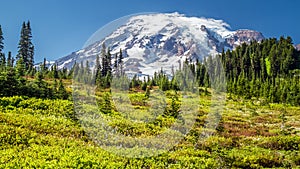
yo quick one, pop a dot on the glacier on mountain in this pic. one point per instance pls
(153, 41)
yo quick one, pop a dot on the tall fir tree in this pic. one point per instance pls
(1, 40)
(103, 60)
(25, 47)
(30, 46)
(44, 66)
(55, 71)
(2, 61)
(10, 60)
(120, 63)
(97, 70)
(2, 55)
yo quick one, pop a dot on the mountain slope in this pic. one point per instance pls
(154, 41)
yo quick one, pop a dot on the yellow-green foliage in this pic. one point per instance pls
(36, 133)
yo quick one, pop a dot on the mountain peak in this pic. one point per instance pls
(174, 14)
(154, 41)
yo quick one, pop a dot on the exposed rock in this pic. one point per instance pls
(203, 28)
(244, 36)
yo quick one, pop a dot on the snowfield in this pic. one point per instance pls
(153, 41)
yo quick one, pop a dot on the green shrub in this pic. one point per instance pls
(281, 143)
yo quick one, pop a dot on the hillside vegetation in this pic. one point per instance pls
(39, 133)
(258, 127)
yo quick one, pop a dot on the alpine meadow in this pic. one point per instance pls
(161, 90)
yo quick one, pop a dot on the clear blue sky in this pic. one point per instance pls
(62, 26)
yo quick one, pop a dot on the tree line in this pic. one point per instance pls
(269, 70)
(106, 67)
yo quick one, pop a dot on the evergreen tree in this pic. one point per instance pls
(71, 73)
(98, 70)
(104, 63)
(20, 67)
(26, 48)
(39, 76)
(23, 46)
(10, 60)
(174, 107)
(62, 92)
(109, 62)
(63, 73)
(43, 66)
(87, 73)
(134, 82)
(106, 66)
(2, 55)
(30, 47)
(144, 85)
(55, 71)
(116, 65)
(9, 83)
(55, 88)
(41, 85)
(120, 63)
(2, 61)
(106, 106)
(1, 40)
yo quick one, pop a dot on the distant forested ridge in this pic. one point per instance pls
(269, 69)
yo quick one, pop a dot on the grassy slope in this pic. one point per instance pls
(41, 133)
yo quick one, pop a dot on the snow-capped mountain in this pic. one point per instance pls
(153, 41)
